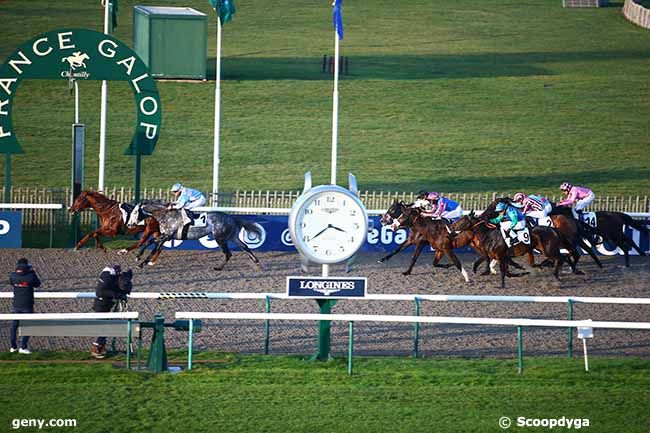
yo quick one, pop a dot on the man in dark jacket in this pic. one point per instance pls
(107, 292)
(23, 280)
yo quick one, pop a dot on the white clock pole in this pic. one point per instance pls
(335, 109)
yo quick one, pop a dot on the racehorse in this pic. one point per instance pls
(396, 209)
(572, 233)
(491, 242)
(434, 233)
(111, 222)
(610, 226)
(221, 226)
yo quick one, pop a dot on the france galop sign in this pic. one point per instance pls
(81, 54)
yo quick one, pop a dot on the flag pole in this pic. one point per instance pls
(335, 109)
(102, 115)
(217, 118)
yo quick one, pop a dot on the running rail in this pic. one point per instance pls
(130, 315)
(371, 297)
(413, 319)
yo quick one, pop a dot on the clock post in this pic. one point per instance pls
(328, 224)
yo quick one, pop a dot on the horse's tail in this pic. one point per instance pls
(629, 221)
(249, 226)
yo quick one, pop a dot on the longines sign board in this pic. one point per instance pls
(81, 54)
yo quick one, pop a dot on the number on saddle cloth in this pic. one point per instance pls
(546, 222)
(590, 219)
(200, 220)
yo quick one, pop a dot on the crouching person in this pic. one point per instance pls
(113, 287)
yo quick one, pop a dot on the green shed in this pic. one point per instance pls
(172, 41)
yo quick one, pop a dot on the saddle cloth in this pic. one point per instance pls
(125, 215)
(522, 235)
(546, 222)
(590, 219)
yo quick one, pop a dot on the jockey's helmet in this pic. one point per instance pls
(422, 194)
(566, 186)
(519, 197)
(176, 187)
(433, 196)
(500, 206)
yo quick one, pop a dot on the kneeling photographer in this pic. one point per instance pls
(111, 293)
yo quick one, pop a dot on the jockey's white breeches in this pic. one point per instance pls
(454, 214)
(195, 203)
(581, 204)
(537, 214)
(505, 226)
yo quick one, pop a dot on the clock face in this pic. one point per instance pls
(329, 225)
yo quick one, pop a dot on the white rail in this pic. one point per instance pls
(70, 316)
(371, 297)
(413, 319)
(30, 206)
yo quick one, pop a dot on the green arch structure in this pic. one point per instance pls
(85, 55)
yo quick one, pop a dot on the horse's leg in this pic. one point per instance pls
(248, 251)
(503, 267)
(478, 262)
(156, 253)
(226, 251)
(582, 244)
(160, 240)
(408, 242)
(414, 258)
(456, 262)
(436, 259)
(86, 238)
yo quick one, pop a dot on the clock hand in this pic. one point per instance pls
(320, 232)
(336, 228)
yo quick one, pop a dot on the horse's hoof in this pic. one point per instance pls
(380, 261)
(405, 273)
(216, 268)
(151, 263)
(122, 251)
(578, 272)
(141, 265)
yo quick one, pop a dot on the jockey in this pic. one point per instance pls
(577, 196)
(438, 207)
(510, 220)
(186, 198)
(534, 206)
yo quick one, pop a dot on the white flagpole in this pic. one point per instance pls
(102, 116)
(217, 119)
(335, 108)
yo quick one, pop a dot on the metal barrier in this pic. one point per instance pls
(570, 301)
(351, 318)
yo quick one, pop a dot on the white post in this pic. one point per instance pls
(76, 101)
(102, 116)
(217, 119)
(335, 108)
(326, 271)
(584, 349)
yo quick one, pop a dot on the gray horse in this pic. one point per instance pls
(221, 226)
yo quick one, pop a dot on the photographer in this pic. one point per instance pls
(23, 280)
(113, 287)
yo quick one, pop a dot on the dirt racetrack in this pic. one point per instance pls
(185, 271)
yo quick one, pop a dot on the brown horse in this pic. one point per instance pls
(110, 220)
(395, 210)
(491, 242)
(610, 227)
(572, 234)
(435, 233)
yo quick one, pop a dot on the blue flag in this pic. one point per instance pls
(337, 18)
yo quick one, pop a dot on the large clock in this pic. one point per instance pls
(328, 224)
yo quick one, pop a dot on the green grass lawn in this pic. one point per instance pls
(290, 394)
(459, 96)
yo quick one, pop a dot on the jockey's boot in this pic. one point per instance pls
(186, 228)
